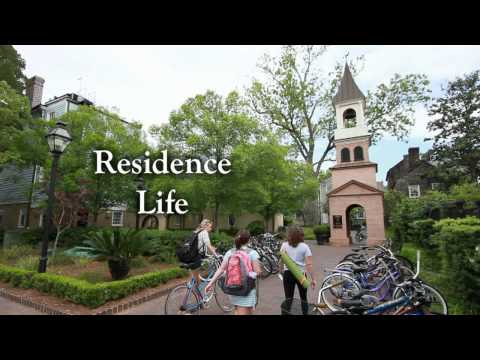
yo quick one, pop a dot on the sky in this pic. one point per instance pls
(146, 83)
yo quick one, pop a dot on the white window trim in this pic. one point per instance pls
(411, 188)
(19, 224)
(437, 185)
(121, 217)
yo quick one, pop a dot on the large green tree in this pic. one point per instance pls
(457, 129)
(21, 137)
(12, 66)
(295, 98)
(92, 129)
(268, 182)
(206, 126)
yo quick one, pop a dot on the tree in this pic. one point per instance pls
(268, 182)
(12, 66)
(21, 138)
(295, 99)
(207, 126)
(457, 128)
(67, 205)
(96, 129)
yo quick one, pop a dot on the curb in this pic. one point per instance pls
(25, 300)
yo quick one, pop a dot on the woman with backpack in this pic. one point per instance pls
(301, 254)
(241, 267)
(204, 247)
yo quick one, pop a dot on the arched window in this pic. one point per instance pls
(349, 118)
(345, 155)
(358, 153)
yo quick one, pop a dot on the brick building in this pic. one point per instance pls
(412, 175)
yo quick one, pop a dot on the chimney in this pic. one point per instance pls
(35, 90)
(413, 156)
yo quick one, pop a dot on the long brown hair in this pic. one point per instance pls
(295, 235)
(242, 238)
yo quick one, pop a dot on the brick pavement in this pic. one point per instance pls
(8, 307)
(271, 289)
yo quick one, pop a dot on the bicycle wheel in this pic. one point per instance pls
(266, 267)
(435, 302)
(182, 301)
(222, 299)
(343, 288)
(207, 270)
(274, 263)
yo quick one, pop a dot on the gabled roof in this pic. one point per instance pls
(348, 90)
(355, 182)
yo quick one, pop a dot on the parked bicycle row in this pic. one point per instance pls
(372, 280)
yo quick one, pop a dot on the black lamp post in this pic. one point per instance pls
(140, 186)
(58, 139)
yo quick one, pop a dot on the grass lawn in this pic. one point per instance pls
(429, 272)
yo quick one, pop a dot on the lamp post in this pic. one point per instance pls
(58, 139)
(140, 186)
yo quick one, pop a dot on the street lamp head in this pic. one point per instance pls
(58, 138)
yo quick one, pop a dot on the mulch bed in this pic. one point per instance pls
(43, 302)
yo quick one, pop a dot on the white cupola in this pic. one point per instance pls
(349, 105)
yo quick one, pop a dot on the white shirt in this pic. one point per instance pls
(297, 254)
(203, 241)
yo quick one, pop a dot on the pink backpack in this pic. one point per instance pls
(237, 282)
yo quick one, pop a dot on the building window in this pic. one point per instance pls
(345, 155)
(117, 218)
(21, 219)
(435, 186)
(414, 191)
(358, 153)
(52, 115)
(39, 175)
(178, 221)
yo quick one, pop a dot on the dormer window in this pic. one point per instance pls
(349, 118)
(345, 155)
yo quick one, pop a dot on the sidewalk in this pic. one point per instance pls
(8, 307)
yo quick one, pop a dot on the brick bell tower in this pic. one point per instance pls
(355, 201)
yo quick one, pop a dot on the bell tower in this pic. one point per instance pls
(354, 185)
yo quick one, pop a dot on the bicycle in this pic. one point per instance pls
(188, 298)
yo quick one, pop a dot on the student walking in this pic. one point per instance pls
(301, 254)
(240, 266)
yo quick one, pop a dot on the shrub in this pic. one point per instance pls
(138, 262)
(83, 292)
(28, 262)
(256, 227)
(230, 232)
(93, 277)
(459, 242)
(35, 236)
(60, 259)
(76, 236)
(17, 251)
(223, 242)
(308, 232)
(420, 233)
(323, 229)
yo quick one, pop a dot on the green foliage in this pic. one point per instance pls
(459, 241)
(164, 243)
(256, 227)
(467, 192)
(392, 199)
(60, 259)
(138, 262)
(295, 98)
(29, 262)
(75, 236)
(323, 229)
(83, 292)
(17, 251)
(456, 124)
(308, 232)
(117, 245)
(21, 138)
(93, 277)
(12, 66)
(421, 232)
(222, 241)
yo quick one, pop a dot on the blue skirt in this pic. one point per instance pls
(245, 301)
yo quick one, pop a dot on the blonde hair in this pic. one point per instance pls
(203, 224)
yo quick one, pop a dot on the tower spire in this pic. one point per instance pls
(348, 89)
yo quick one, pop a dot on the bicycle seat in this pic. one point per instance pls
(356, 268)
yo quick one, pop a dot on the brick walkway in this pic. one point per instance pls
(271, 289)
(8, 307)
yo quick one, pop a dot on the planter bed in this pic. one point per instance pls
(67, 290)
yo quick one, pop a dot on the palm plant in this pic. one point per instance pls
(118, 248)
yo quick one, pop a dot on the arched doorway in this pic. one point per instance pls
(150, 222)
(357, 225)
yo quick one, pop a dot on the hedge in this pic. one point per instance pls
(82, 292)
